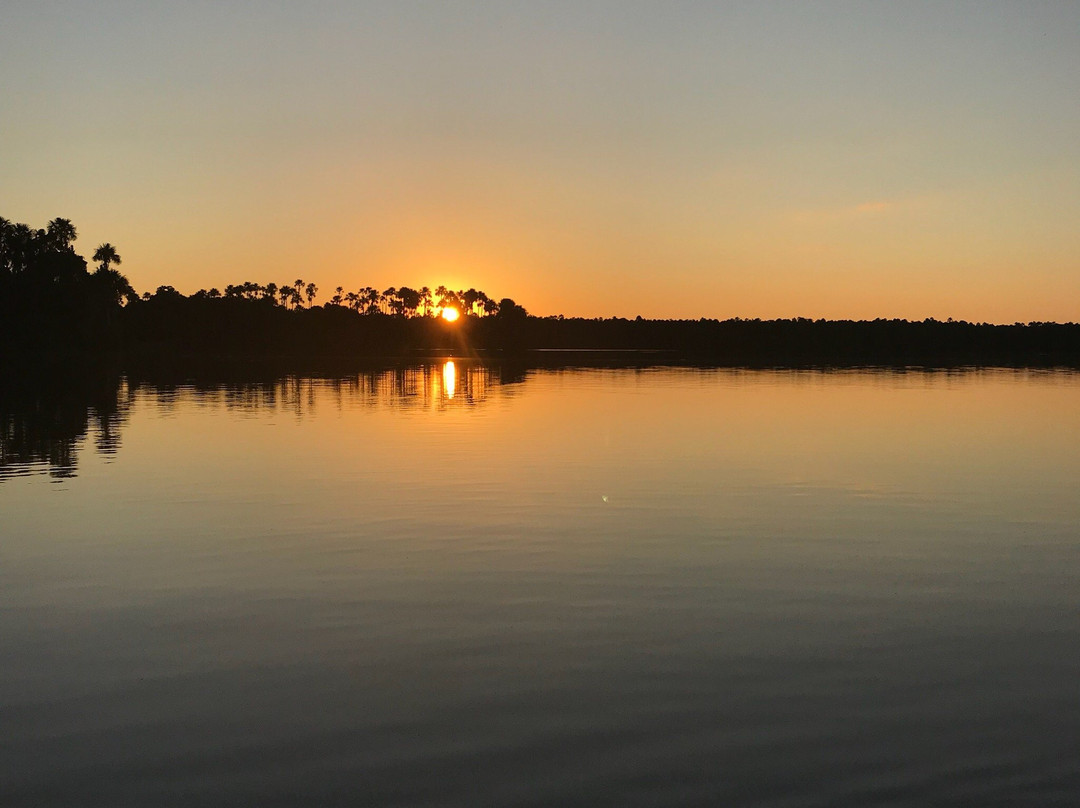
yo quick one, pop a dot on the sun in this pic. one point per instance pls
(450, 314)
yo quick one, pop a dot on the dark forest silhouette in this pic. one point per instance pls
(48, 298)
(50, 301)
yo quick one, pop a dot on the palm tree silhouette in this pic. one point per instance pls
(469, 298)
(112, 287)
(410, 300)
(388, 297)
(61, 232)
(482, 301)
(105, 255)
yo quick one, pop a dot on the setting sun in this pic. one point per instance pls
(450, 314)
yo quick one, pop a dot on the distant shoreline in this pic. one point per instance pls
(52, 306)
(181, 364)
(321, 333)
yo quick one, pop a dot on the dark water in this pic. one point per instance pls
(458, 587)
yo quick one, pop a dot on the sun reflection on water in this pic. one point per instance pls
(449, 375)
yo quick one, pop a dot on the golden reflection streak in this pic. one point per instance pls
(449, 376)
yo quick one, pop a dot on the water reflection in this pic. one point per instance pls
(449, 375)
(630, 586)
(431, 387)
(46, 422)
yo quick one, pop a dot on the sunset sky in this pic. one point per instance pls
(606, 158)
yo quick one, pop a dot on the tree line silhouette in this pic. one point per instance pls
(253, 319)
(51, 301)
(402, 302)
(47, 295)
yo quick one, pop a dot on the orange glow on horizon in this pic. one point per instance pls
(450, 314)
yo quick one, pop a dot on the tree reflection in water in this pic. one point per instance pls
(46, 420)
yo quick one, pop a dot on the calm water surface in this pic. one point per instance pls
(455, 586)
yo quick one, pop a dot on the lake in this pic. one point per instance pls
(459, 584)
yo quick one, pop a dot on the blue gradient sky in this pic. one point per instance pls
(607, 158)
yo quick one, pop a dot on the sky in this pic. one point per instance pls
(663, 159)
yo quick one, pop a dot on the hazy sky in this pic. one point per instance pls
(609, 158)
